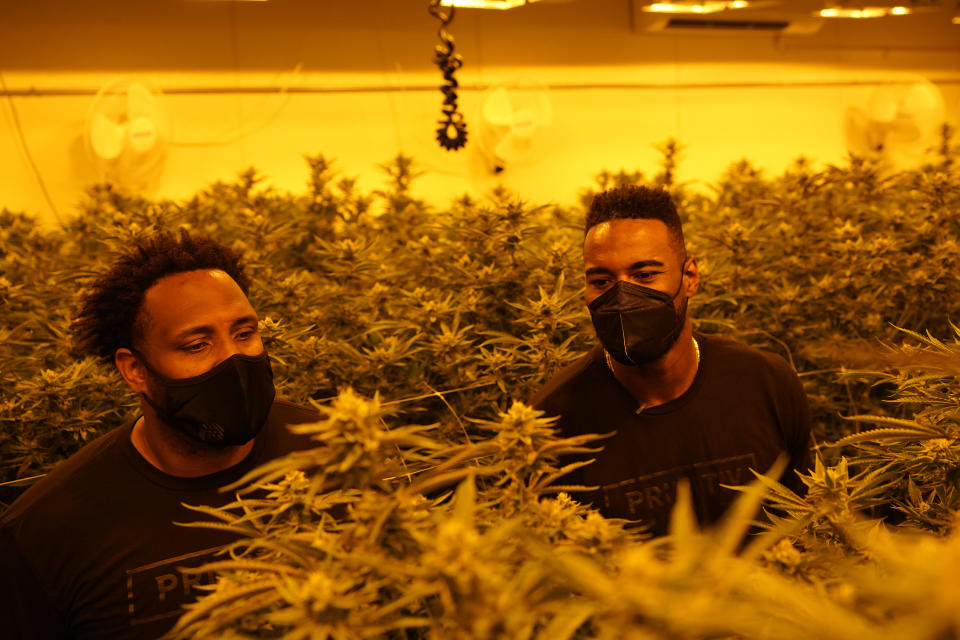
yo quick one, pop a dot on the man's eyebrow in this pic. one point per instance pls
(203, 329)
(641, 264)
(206, 329)
(247, 319)
(595, 270)
(646, 263)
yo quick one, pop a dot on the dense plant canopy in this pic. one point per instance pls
(426, 508)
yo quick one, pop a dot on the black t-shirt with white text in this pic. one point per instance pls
(92, 551)
(744, 408)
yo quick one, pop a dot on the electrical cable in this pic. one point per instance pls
(245, 130)
(35, 92)
(26, 149)
(22, 481)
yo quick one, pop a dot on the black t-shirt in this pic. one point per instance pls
(91, 550)
(744, 408)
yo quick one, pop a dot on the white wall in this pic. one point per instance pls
(366, 90)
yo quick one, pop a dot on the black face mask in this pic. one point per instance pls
(227, 405)
(637, 324)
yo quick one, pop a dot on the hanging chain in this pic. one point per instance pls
(452, 130)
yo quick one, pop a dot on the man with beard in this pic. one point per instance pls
(91, 550)
(681, 406)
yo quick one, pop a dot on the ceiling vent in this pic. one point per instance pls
(762, 20)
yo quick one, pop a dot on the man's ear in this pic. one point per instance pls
(692, 273)
(132, 370)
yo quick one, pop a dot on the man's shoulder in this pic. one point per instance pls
(286, 412)
(278, 439)
(743, 369)
(91, 467)
(99, 463)
(740, 356)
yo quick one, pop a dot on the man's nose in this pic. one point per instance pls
(228, 348)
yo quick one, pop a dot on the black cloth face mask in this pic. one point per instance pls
(227, 405)
(637, 324)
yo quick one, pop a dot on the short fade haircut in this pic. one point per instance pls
(637, 203)
(110, 318)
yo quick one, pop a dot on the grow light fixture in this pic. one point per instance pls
(694, 7)
(485, 4)
(863, 12)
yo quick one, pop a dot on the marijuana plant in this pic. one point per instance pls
(428, 507)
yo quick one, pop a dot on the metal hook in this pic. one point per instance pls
(437, 12)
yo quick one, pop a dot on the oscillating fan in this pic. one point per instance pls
(514, 121)
(898, 123)
(127, 135)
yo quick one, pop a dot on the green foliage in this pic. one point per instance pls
(822, 263)
(921, 454)
(334, 549)
(376, 293)
(360, 537)
(425, 509)
(381, 292)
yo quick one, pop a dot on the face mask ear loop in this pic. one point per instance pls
(683, 310)
(158, 409)
(143, 360)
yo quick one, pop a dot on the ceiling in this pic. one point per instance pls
(355, 35)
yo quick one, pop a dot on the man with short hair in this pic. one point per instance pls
(91, 550)
(680, 405)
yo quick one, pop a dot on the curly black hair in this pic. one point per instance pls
(636, 202)
(109, 317)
